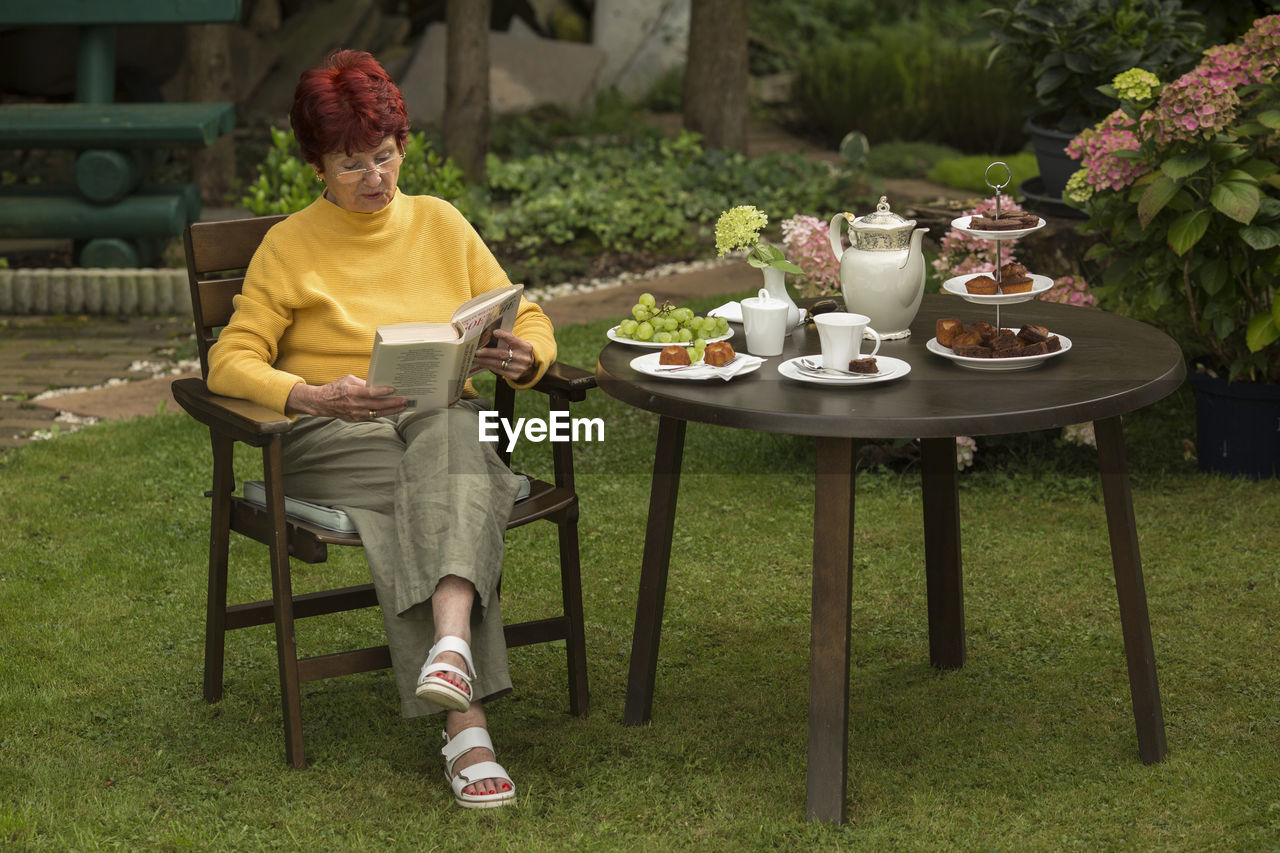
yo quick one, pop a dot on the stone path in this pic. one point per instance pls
(79, 356)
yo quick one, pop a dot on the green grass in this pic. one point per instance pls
(107, 743)
(968, 172)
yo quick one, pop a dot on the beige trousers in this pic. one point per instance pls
(429, 500)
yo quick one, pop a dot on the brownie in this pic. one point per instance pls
(864, 365)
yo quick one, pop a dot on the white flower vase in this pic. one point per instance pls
(775, 281)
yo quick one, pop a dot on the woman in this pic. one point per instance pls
(429, 499)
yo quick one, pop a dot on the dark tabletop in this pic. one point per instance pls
(1115, 365)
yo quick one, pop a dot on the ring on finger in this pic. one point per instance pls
(372, 414)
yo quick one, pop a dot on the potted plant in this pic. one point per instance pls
(1066, 49)
(1181, 185)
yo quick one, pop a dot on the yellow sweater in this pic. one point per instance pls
(325, 278)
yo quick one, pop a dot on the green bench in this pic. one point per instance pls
(115, 219)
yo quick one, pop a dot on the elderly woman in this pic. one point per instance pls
(429, 499)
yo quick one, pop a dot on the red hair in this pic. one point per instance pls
(348, 104)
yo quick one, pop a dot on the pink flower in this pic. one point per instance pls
(804, 239)
(1196, 105)
(1095, 149)
(1069, 290)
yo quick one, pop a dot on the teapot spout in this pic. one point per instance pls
(914, 251)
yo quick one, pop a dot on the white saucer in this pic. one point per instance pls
(1022, 362)
(890, 368)
(962, 225)
(648, 365)
(1039, 284)
(611, 335)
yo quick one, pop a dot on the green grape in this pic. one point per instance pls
(700, 343)
(647, 300)
(686, 335)
(722, 325)
(694, 355)
(627, 328)
(670, 324)
(644, 331)
(662, 337)
(640, 313)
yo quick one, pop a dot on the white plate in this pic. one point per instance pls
(1021, 362)
(962, 225)
(890, 368)
(651, 344)
(648, 365)
(1039, 284)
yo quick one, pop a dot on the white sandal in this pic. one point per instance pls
(435, 688)
(457, 746)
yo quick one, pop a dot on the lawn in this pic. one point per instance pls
(107, 743)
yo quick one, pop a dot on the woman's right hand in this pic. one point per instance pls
(348, 398)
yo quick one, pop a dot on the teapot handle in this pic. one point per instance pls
(833, 235)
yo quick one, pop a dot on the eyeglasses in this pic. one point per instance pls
(351, 176)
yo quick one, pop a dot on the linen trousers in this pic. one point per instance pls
(429, 499)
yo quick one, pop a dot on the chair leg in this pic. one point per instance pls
(571, 594)
(282, 601)
(215, 626)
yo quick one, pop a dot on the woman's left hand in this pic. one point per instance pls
(510, 357)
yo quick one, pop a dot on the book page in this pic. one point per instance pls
(423, 373)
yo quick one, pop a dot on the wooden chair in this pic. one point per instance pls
(216, 249)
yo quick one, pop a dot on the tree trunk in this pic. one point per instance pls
(208, 78)
(716, 72)
(466, 86)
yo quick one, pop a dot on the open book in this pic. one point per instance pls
(428, 363)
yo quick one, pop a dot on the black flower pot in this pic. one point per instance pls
(1056, 167)
(1237, 426)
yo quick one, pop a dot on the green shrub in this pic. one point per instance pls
(286, 183)
(547, 215)
(909, 82)
(588, 197)
(968, 173)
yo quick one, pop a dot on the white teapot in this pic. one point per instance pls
(882, 271)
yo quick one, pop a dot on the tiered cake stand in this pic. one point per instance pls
(956, 285)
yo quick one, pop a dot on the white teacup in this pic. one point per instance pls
(841, 336)
(764, 319)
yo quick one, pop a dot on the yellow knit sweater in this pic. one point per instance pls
(325, 278)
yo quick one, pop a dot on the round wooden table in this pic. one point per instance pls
(1114, 366)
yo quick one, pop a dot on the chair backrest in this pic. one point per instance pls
(217, 255)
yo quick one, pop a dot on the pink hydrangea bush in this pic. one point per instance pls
(1195, 107)
(804, 239)
(1070, 290)
(1180, 186)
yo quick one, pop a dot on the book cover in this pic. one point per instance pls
(428, 363)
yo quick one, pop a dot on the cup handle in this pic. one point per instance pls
(873, 333)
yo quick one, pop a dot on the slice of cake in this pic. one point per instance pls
(674, 355)
(864, 365)
(717, 353)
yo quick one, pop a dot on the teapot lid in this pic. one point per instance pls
(883, 219)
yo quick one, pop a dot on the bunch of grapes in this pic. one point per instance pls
(667, 324)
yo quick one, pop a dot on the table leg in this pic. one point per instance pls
(1130, 590)
(653, 571)
(830, 626)
(940, 484)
